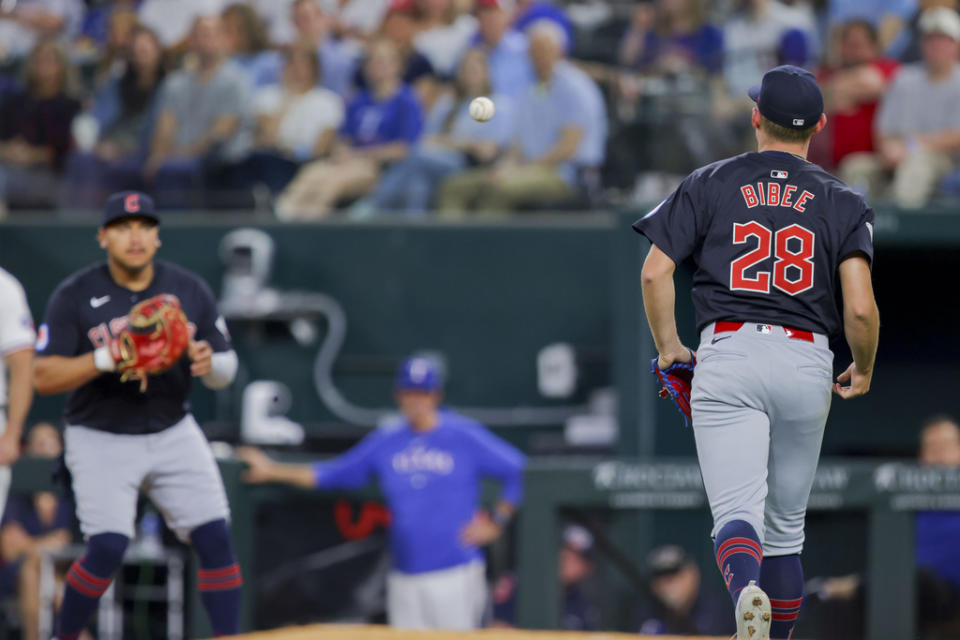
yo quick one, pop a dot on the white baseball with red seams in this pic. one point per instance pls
(481, 109)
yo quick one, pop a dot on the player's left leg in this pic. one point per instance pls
(732, 434)
(796, 431)
(218, 580)
(185, 485)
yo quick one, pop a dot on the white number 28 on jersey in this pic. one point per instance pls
(792, 248)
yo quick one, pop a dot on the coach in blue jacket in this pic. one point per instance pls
(429, 464)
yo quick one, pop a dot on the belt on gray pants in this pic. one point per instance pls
(796, 334)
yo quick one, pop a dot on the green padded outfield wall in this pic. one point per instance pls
(486, 296)
(490, 296)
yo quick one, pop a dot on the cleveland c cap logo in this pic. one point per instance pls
(131, 204)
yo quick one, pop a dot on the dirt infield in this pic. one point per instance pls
(357, 632)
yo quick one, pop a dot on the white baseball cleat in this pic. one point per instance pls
(753, 613)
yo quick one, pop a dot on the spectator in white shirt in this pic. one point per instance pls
(444, 36)
(338, 57)
(173, 20)
(24, 23)
(296, 121)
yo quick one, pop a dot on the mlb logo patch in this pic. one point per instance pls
(798, 122)
(778, 174)
(765, 329)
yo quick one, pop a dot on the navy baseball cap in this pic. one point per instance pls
(129, 204)
(789, 96)
(418, 374)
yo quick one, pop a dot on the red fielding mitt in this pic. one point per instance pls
(154, 339)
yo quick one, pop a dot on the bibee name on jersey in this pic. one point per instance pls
(773, 194)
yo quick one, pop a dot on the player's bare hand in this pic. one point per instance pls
(9, 449)
(667, 358)
(259, 465)
(201, 357)
(852, 383)
(480, 531)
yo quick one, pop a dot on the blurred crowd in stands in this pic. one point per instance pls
(308, 107)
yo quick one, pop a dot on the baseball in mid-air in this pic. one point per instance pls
(481, 109)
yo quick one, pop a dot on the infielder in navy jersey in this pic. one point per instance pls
(120, 440)
(429, 465)
(773, 237)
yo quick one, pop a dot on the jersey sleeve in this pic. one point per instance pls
(351, 470)
(672, 224)
(60, 333)
(498, 459)
(211, 326)
(16, 323)
(860, 238)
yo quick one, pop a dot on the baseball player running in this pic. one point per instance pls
(429, 465)
(124, 436)
(16, 358)
(773, 236)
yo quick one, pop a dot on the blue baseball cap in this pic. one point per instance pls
(129, 204)
(418, 374)
(789, 96)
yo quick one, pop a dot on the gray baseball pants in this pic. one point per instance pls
(760, 401)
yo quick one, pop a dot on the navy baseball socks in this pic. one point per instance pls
(739, 554)
(781, 577)
(218, 579)
(86, 581)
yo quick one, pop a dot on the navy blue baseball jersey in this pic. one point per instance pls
(88, 308)
(767, 232)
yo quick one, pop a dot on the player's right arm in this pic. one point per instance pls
(861, 324)
(57, 368)
(59, 374)
(659, 300)
(261, 469)
(351, 470)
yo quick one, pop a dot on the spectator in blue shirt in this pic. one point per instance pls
(124, 112)
(937, 577)
(248, 45)
(119, 23)
(510, 71)
(429, 465)
(401, 26)
(553, 120)
(529, 12)
(33, 525)
(338, 58)
(891, 18)
(380, 126)
(672, 36)
(938, 532)
(452, 141)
